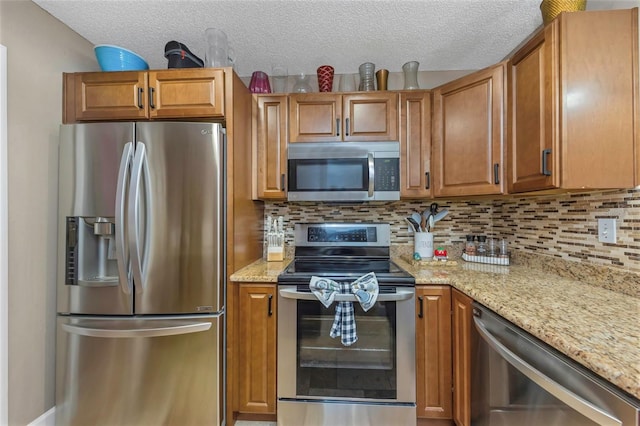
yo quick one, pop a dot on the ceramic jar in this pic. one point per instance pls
(325, 78)
(367, 82)
(410, 70)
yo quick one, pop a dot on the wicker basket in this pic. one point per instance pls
(552, 8)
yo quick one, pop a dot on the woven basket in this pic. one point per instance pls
(552, 8)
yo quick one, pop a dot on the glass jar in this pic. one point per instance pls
(302, 83)
(470, 246)
(492, 247)
(481, 248)
(504, 248)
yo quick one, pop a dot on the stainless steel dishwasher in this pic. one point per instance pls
(520, 380)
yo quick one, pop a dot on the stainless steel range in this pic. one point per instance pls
(321, 380)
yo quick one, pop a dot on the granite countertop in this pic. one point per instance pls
(595, 326)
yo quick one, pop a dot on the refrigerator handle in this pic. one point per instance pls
(122, 252)
(134, 215)
(195, 327)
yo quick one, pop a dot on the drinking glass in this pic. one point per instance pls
(279, 76)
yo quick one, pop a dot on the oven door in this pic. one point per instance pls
(379, 367)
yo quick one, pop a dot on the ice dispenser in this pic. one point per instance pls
(90, 252)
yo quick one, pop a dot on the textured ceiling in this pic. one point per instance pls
(304, 34)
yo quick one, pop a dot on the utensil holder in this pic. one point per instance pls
(423, 244)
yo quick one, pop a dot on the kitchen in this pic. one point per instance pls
(561, 225)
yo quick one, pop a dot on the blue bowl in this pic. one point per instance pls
(116, 58)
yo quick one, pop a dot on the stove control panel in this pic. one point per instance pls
(327, 234)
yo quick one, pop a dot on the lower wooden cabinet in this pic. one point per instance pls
(433, 352)
(255, 348)
(461, 349)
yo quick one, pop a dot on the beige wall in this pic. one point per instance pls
(39, 49)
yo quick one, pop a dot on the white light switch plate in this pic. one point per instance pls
(607, 231)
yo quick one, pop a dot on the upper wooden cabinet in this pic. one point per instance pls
(270, 127)
(573, 104)
(135, 95)
(467, 136)
(415, 144)
(331, 117)
(433, 352)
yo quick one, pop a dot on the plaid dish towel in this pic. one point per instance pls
(344, 322)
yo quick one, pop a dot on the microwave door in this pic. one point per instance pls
(330, 179)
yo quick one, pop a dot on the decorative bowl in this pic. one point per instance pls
(116, 58)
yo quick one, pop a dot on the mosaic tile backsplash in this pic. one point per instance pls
(563, 226)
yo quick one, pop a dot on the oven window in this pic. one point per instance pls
(330, 175)
(366, 369)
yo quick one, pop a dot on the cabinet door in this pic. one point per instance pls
(530, 122)
(415, 144)
(257, 348)
(461, 349)
(271, 137)
(315, 117)
(433, 352)
(468, 134)
(189, 93)
(370, 116)
(107, 96)
(574, 104)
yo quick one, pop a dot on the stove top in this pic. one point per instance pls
(343, 251)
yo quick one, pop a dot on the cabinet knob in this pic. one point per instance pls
(269, 310)
(337, 127)
(151, 104)
(140, 92)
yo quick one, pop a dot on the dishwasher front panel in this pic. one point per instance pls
(520, 380)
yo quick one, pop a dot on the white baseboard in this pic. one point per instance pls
(47, 419)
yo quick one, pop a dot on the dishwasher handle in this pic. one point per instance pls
(574, 401)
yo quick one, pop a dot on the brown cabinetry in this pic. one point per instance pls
(461, 348)
(270, 121)
(252, 363)
(135, 95)
(433, 352)
(573, 104)
(468, 134)
(331, 117)
(415, 144)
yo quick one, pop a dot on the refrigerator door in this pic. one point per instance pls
(175, 218)
(93, 275)
(159, 371)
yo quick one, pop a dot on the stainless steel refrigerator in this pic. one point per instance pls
(141, 274)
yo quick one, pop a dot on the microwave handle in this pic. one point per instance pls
(372, 173)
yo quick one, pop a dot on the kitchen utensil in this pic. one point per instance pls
(415, 225)
(440, 215)
(416, 217)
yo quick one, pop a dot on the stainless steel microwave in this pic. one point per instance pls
(344, 171)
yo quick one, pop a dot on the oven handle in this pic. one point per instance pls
(398, 296)
(574, 401)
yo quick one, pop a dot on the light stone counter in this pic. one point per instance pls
(597, 327)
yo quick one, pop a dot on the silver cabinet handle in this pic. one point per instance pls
(574, 401)
(122, 249)
(372, 173)
(302, 295)
(136, 332)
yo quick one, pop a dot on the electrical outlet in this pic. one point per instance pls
(607, 231)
